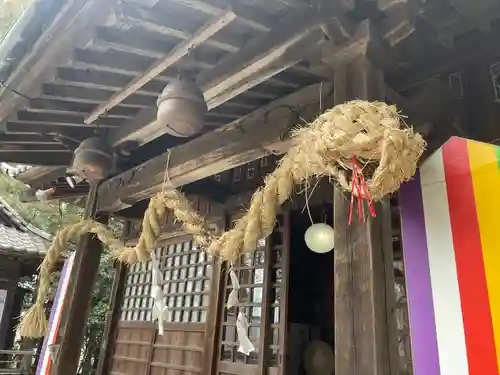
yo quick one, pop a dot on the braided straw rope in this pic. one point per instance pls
(372, 132)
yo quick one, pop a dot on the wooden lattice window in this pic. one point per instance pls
(137, 303)
(186, 282)
(260, 276)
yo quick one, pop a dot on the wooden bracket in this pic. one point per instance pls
(366, 42)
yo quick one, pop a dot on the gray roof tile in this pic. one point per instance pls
(19, 236)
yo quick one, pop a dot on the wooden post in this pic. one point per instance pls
(77, 303)
(360, 315)
(113, 314)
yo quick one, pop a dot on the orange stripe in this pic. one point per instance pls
(483, 160)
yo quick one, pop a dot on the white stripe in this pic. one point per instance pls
(58, 310)
(443, 270)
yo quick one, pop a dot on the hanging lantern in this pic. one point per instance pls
(181, 108)
(320, 238)
(94, 160)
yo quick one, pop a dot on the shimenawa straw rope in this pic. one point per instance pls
(373, 133)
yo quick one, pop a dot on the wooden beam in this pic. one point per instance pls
(73, 119)
(77, 304)
(249, 138)
(36, 176)
(13, 124)
(94, 96)
(258, 54)
(37, 128)
(447, 63)
(170, 28)
(248, 16)
(27, 139)
(41, 147)
(53, 159)
(280, 52)
(67, 106)
(73, 26)
(308, 46)
(162, 64)
(365, 41)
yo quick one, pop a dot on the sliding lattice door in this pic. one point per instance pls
(263, 277)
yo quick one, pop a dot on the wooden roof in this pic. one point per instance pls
(99, 65)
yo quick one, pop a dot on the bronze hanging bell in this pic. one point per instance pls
(94, 160)
(181, 108)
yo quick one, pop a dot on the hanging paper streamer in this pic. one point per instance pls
(232, 300)
(159, 308)
(246, 346)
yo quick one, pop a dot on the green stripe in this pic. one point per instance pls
(497, 152)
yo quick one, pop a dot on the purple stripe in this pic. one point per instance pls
(418, 281)
(52, 315)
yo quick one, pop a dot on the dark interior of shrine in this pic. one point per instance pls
(310, 307)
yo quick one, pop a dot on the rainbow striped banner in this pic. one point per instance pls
(45, 361)
(451, 245)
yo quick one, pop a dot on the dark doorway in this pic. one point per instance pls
(310, 304)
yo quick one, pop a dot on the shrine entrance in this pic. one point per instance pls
(287, 305)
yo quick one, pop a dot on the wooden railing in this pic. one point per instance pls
(16, 362)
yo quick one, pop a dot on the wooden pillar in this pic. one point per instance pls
(9, 271)
(361, 339)
(77, 303)
(113, 315)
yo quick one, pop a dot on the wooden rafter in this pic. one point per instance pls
(247, 15)
(260, 53)
(149, 22)
(178, 52)
(73, 26)
(262, 59)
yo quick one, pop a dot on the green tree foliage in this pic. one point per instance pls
(50, 217)
(10, 10)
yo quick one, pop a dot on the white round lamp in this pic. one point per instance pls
(320, 238)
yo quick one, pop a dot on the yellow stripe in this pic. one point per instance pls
(486, 182)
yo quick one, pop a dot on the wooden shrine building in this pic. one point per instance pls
(75, 68)
(22, 248)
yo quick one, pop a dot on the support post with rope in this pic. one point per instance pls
(77, 304)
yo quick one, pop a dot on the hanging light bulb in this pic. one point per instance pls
(320, 238)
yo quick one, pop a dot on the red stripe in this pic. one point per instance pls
(476, 312)
(56, 331)
(58, 322)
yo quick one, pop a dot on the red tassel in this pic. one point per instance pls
(360, 189)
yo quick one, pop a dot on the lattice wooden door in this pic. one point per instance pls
(263, 277)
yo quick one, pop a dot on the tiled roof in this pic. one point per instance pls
(18, 236)
(13, 169)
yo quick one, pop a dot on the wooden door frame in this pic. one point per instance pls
(213, 329)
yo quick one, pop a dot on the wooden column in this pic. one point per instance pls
(360, 315)
(113, 313)
(9, 271)
(77, 303)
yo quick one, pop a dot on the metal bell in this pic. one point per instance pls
(181, 108)
(94, 160)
